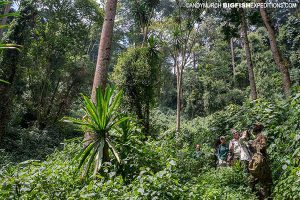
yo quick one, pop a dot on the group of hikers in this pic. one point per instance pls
(250, 149)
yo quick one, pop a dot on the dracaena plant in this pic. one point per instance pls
(101, 118)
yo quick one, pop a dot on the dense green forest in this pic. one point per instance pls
(129, 99)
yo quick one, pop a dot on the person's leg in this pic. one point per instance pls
(266, 191)
(253, 181)
(266, 186)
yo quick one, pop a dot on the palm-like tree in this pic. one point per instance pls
(100, 119)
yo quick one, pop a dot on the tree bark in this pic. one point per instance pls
(100, 77)
(103, 59)
(282, 66)
(232, 56)
(4, 20)
(248, 56)
(179, 99)
(194, 61)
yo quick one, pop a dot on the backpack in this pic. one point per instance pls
(259, 167)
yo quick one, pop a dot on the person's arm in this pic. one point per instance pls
(242, 141)
(231, 146)
(228, 153)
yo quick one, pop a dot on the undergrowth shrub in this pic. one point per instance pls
(223, 183)
(51, 179)
(164, 168)
(31, 143)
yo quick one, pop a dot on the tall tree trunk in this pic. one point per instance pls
(282, 66)
(4, 20)
(145, 34)
(100, 76)
(232, 56)
(9, 64)
(194, 61)
(248, 56)
(103, 59)
(179, 99)
(147, 119)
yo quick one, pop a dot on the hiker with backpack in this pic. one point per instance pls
(260, 171)
(234, 148)
(222, 153)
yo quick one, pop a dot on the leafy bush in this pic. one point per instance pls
(161, 185)
(223, 183)
(137, 72)
(31, 143)
(32, 179)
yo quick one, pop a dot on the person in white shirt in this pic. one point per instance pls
(234, 148)
(245, 153)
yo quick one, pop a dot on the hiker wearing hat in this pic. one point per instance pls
(222, 152)
(260, 171)
(234, 147)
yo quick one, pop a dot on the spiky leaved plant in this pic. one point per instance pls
(101, 117)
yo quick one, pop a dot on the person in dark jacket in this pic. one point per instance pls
(222, 152)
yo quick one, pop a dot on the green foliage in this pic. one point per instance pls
(161, 185)
(59, 49)
(289, 37)
(101, 118)
(41, 180)
(224, 183)
(3, 81)
(56, 178)
(138, 72)
(288, 185)
(24, 144)
(193, 89)
(55, 60)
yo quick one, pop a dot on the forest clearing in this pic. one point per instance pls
(149, 99)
